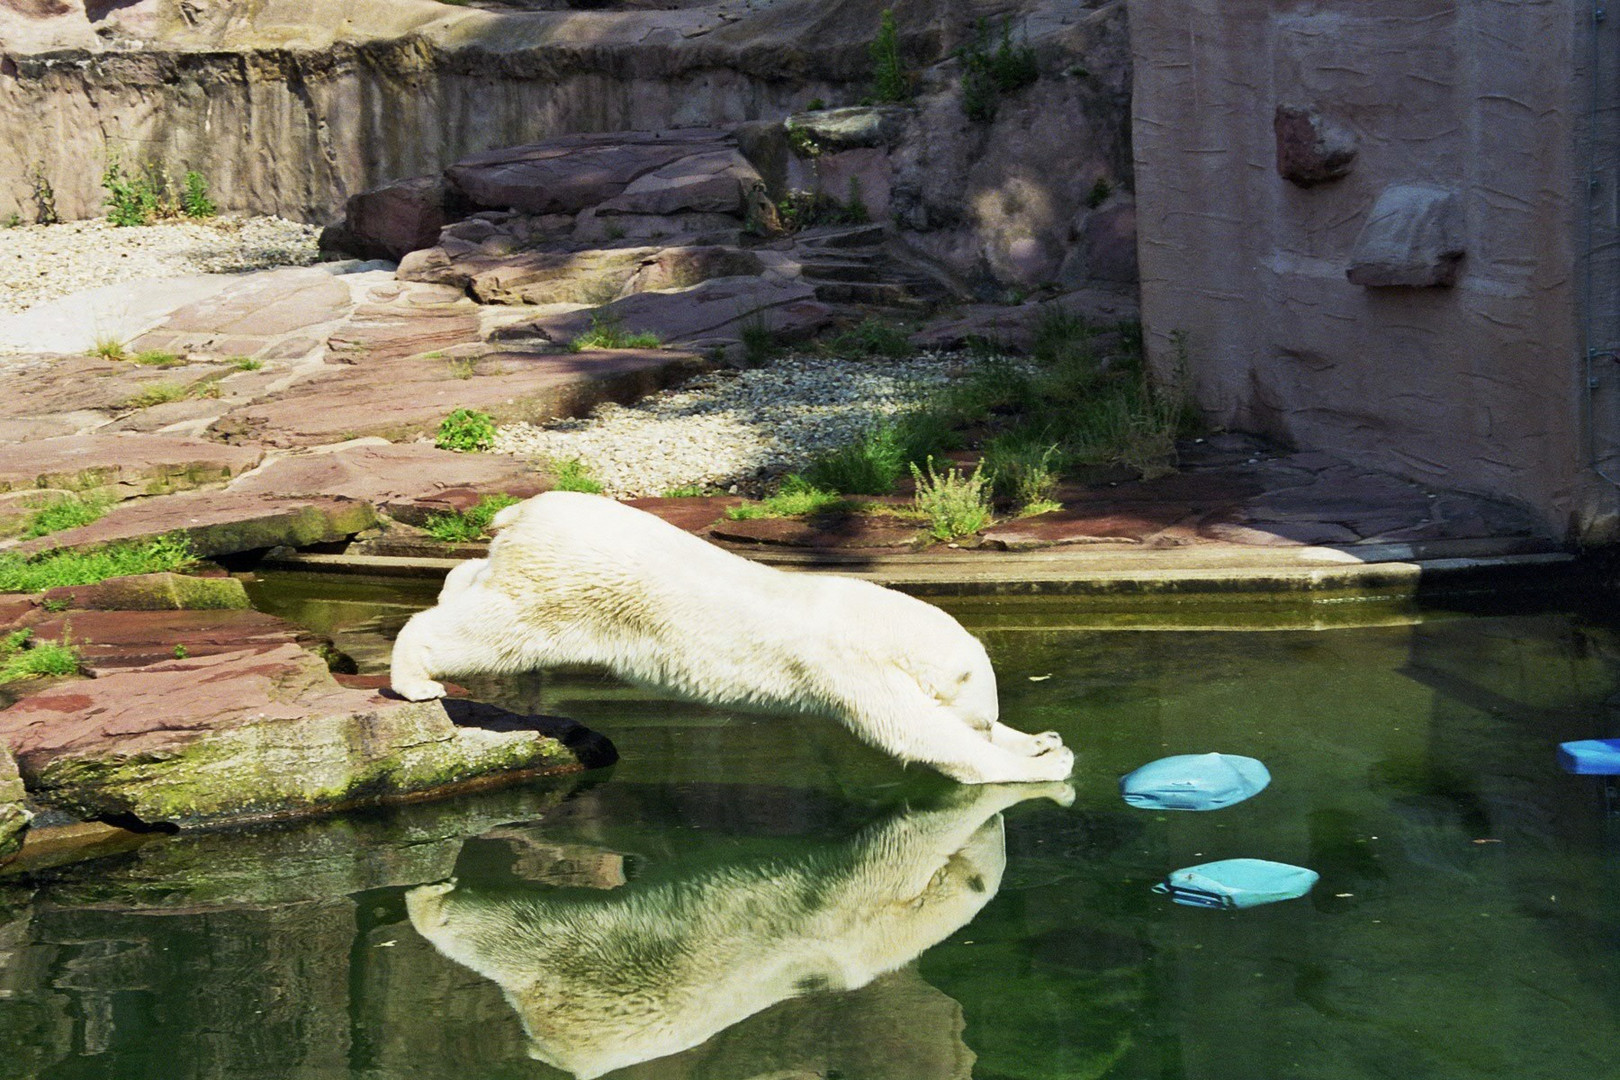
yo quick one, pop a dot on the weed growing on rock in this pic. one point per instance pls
(462, 367)
(891, 82)
(759, 342)
(574, 475)
(800, 209)
(158, 393)
(67, 512)
(244, 363)
(1025, 474)
(157, 358)
(181, 652)
(955, 505)
(1099, 193)
(21, 657)
(607, 332)
(466, 430)
(685, 491)
(19, 574)
(132, 198)
(109, 348)
(468, 525)
(194, 200)
(44, 197)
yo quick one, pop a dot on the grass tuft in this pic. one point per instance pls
(574, 475)
(157, 358)
(19, 574)
(607, 332)
(21, 657)
(67, 512)
(795, 498)
(468, 525)
(955, 505)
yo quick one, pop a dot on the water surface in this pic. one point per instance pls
(749, 897)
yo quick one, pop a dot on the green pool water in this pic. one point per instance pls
(763, 898)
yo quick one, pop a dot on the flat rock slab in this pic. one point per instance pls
(713, 312)
(695, 514)
(220, 522)
(121, 312)
(247, 734)
(131, 464)
(833, 531)
(116, 640)
(572, 172)
(405, 398)
(253, 313)
(150, 592)
(396, 474)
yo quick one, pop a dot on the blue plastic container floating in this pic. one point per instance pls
(1194, 782)
(1237, 883)
(1590, 757)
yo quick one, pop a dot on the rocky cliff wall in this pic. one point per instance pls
(288, 106)
(1373, 222)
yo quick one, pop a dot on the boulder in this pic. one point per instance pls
(1312, 148)
(391, 221)
(856, 128)
(1413, 237)
(14, 816)
(250, 734)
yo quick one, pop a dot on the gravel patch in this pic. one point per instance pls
(46, 262)
(733, 430)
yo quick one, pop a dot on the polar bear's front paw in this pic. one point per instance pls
(1054, 764)
(1046, 742)
(417, 689)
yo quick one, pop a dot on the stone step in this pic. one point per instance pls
(874, 293)
(840, 236)
(844, 270)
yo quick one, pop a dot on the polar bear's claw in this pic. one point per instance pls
(1046, 742)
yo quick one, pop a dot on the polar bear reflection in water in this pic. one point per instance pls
(580, 579)
(602, 981)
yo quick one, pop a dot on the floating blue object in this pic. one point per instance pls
(1194, 782)
(1237, 883)
(1590, 757)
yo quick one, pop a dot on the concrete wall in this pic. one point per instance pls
(1480, 385)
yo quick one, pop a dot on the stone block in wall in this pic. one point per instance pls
(1413, 237)
(1312, 148)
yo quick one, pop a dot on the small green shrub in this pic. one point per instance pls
(988, 75)
(574, 475)
(800, 209)
(67, 512)
(244, 363)
(466, 430)
(955, 505)
(73, 567)
(181, 652)
(891, 82)
(14, 220)
(132, 198)
(194, 200)
(872, 337)
(468, 525)
(21, 657)
(607, 332)
(1099, 193)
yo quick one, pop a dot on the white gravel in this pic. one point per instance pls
(45, 262)
(729, 429)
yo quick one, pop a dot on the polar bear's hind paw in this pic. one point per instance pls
(418, 689)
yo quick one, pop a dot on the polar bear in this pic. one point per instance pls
(581, 579)
(604, 980)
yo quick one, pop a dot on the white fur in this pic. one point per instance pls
(579, 579)
(605, 980)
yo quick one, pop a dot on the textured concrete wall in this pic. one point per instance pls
(1477, 385)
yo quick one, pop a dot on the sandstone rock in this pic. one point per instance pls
(14, 816)
(712, 182)
(1413, 237)
(111, 641)
(823, 531)
(854, 128)
(694, 513)
(539, 277)
(572, 172)
(388, 474)
(407, 398)
(1104, 251)
(246, 735)
(391, 221)
(128, 464)
(710, 313)
(152, 592)
(220, 522)
(1312, 148)
(681, 267)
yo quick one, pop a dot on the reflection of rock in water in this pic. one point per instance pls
(606, 980)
